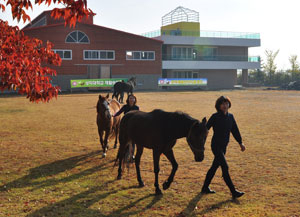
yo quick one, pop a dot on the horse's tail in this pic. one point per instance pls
(122, 155)
(124, 144)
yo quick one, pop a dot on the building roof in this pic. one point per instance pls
(61, 23)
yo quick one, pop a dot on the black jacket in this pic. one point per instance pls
(126, 108)
(222, 125)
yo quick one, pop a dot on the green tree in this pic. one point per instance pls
(270, 66)
(257, 76)
(295, 68)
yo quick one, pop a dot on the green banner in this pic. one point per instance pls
(107, 82)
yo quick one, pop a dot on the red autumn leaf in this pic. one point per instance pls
(2, 7)
(22, 59)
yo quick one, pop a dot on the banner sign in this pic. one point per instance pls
(107, 82)
(182, 81)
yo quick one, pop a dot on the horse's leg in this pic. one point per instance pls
(121, 97)
(105, 142)
(171, 158)
(118, 96)
(116, 135)
(100, 132)
(122, 148)
(156, 157)
(139, 153)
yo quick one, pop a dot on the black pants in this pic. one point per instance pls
(219, 160)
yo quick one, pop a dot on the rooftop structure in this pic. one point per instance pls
(180, 14)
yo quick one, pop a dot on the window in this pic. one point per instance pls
(210, 53)
(98, 55)
(77, 37)
(182, 53)
(182, 74)
(64, 54)
(140, 55)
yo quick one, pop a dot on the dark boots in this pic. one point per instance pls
(207, 190)
(228, 181)
(237, 194)
(234, 192)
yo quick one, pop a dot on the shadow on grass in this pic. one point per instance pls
(192, 205)
(78, 205)
(188, 211)
(122, 211)
(52, 169)
(218, 206)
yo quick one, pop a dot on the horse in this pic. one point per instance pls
(121, 87)
(105, 122)
(159, 130)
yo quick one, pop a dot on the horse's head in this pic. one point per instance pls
(103, 106)
(196, 139)
(133, 81)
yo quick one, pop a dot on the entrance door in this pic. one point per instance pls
(93, 73)
(105, 72)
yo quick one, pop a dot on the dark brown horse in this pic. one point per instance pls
(106, 123)
(121, 87)
(158, 130)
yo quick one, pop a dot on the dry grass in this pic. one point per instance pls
(50, 163)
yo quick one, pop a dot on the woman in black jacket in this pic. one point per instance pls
(223, 123)
(129, 106)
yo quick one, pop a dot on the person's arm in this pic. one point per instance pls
(236, 134)
(120, 111)
(210, 122)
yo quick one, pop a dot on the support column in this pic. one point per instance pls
(244, 77)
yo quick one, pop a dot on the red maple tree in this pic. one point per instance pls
(23, 59)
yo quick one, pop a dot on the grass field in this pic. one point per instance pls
(51, 165)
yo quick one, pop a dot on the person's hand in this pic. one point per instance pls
(243, 148)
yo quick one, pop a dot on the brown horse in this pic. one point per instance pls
(106, 123)
(159, 130)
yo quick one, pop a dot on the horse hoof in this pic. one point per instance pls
(104, 155)
(158, 192)
(119, 177)
(141, 184)
(166, 185)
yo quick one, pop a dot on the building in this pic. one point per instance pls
(92, 51)
(179, 50)
(188, 52)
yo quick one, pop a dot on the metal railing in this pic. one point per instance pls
(203, 33)
(212, 58)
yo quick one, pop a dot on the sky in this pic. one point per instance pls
(277, 21)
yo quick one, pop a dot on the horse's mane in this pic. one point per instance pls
(186, 115)
(176, 114)
(97, 106)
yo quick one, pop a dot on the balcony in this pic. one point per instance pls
(213, 58)
(211, 62)
(204, 33)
